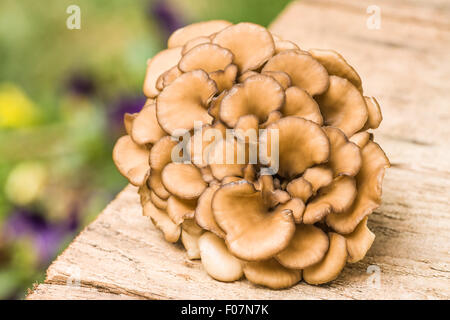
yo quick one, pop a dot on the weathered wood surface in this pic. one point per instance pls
(404, 64)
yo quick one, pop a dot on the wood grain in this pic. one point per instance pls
(122, 256)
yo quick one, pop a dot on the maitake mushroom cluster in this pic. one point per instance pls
(306, 220)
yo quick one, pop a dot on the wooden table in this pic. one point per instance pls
(406, 65)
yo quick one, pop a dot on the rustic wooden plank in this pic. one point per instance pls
(58, 292)
(121, 255)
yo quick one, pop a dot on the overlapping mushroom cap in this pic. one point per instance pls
(291, 200)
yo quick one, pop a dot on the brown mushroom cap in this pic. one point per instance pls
(252, 232)
(297, 206)
(157, 201)
(318, 177)
(184, 101)
(361, 138)
(307, 247)
(305, 72)
(300, 188)
(224, 79)
(183, 180)
(131, 160)
(345, 156)
(161, 153)
(300, 104)
(332, 264)
(302, 144)
(204, 214)
(160, 63)
(155, 183)
(283, 45)
(247, 74)
(271, 274)
(218, 262)
(208, 57)
(146, 128)
(343, 106)
(180, 209)
(337, 66)
(251, 44)
(359, 242)
(374, 113)
(190, 243)
(217, 159)
(258, 95)
(195, 30)
(337, 197)
(167, 78)
(128, 119)
(280, 76)
(214, 106)
(195, 42)
(368, 183)
(162, 221)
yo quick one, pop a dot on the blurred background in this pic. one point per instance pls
(63, 94)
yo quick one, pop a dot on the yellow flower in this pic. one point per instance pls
(16, 109)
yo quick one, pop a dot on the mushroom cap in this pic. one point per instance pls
(159, 64)
(131, 160)
(183, 180)
(247, 74)
(146, 128)
(332, 264)
(185, 101)
(128, 119)
(207, 57)
(204, 215)
(301, 144)
(222, 164)
(195, 42)
(252, 231)
(271, 274)
(251, 44)
(300, 188)
(181, 36)
(361, 138)
(218, 262)
(180, 209)
(337, 66)
(336, 198)
(190, 243)
(318, 177)
(359, 242)
(258, 95)
(300, 104)
(280, 76)
(345, 156)
(283, 45)
(374, 116)
(305, 72)
(157, 201)
(296, 205)
(368, 183)
(155, 183)
(167, 77)
(162, 221)
(224, 79)
(307, 247)
(161, 153)
(343, 106)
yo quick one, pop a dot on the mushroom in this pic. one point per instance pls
(307, 247)
(183, 180)
(160, 63)
(167, 77)
(223, 163)
(343, 106)
(271, 274)
(131, 160)
(374, 116)
(318, 177)
(218, 262)
(252, 231)
(300, 104)
(161, 153)
(157, 201)
(162, 221)
(214, 106)
(361, 138)
(247, 74)
(305, 72)
(332, 264)
(283, 45)
(258, 95)
(155, 183)
(224, 79)
(296, 205)
(359, 242)
(300, 188)
(180, 209)
(146, 128)
(204, 215)
(302, 144)
(181, 36)
(337, 66)
(336, 198)
(280, 76)
(345, 156)
(202, 141)
(251, 44)
(208, 57)
(128, 119)
(195, 42)
(368, 184)
(185, 101)
(190, 234)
